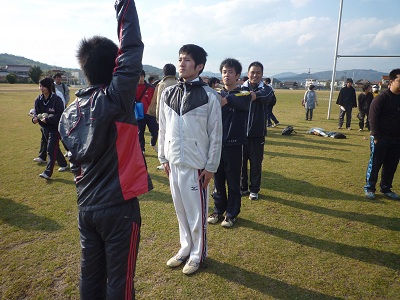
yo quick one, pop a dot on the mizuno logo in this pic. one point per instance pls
(194, 188)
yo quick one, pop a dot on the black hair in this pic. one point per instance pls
(311, 87)
(143, 73)
(198, 54)
(96, 56)
(267, 80)
(349, 80)
(245, 78)
(48, 83)
(169, 70)
(151, 78)
(231, 63)
(212, 81)
(256, 64)
(365, 87)
(393, 74)
(57, 75)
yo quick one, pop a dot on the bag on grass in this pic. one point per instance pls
(288, 130)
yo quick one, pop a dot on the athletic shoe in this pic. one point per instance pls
(190, 267)
(62, 169)
(39, 160)
(214, 218)
(348, 128)
(339, 127)
(244, 193)
(160, 167)
(360, 129)
(44, 175)
(392, 195)
(276, 124)
(253, 196)
(175, 261)
(228, 222)
(370, 195)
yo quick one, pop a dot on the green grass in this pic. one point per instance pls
(311, 235)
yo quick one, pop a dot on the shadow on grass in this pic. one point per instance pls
(155, 195)
(264, 284)
(277, 182)
(288, 143)
(375, 220)
(310, 138)
(297, 156)
(19, 215)
(371, 256)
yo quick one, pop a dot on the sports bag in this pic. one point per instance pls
(288, 130)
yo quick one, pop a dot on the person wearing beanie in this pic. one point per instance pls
(346, 100)
(48, 110)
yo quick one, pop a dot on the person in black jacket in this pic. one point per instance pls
(346, 100)
(101, 133)
(384, 120)
(48, 110)
(364, 102)
(256, 129)
(235, 106)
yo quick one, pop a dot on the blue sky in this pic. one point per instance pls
(285, 35)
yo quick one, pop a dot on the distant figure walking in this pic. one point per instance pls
(310, 101)
(346, 100)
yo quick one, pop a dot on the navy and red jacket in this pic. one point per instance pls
(100, 130)
(53, 106)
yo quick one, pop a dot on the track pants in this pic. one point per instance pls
(386, 154)
(229, 171)
(53, 150)
(152, 124)
(253, 152)
(191, 206)
(109, 241)
(347, 112)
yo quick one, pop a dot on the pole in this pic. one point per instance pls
(335, 60)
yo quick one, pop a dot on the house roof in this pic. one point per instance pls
(18, 68)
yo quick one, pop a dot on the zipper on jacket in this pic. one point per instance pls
(181, 120)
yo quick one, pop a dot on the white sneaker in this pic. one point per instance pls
(253, 196)
(214, 218)
(228, 222)
(190, 267)
(160, 167)
(44, 175)
(175, 261)
(39, 160)
(62, 169)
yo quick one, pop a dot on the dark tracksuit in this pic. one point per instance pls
(347, 99)
(364, 103)
(384, 120)
(101, 133)
(54, 107)
(233, 138)
(256, 131)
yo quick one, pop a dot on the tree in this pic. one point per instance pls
(34, 73)
(11, 78)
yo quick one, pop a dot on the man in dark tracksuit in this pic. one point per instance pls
(101, 133)
(256, 129)
(384, 120)
(347, 100)
(235, 106)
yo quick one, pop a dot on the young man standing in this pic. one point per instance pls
(256, 129)
(347, 100)
(101, 133)
(235, 106)
(189, 147)
(384, 121)
(61, 87)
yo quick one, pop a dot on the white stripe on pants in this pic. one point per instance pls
(191, 206)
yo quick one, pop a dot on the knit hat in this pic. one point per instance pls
(47, 83)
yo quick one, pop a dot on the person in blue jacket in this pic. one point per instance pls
(101, 133)
(256, 129)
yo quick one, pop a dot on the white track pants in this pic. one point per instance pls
(191, 206)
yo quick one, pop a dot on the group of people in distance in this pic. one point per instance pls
(202, 133)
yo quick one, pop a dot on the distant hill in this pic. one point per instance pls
(9, 59)
(356, 74)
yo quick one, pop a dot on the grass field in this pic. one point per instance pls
(311, 235)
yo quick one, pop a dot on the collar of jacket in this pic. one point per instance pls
(89, 90)
(195, 82)
(248, 85)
